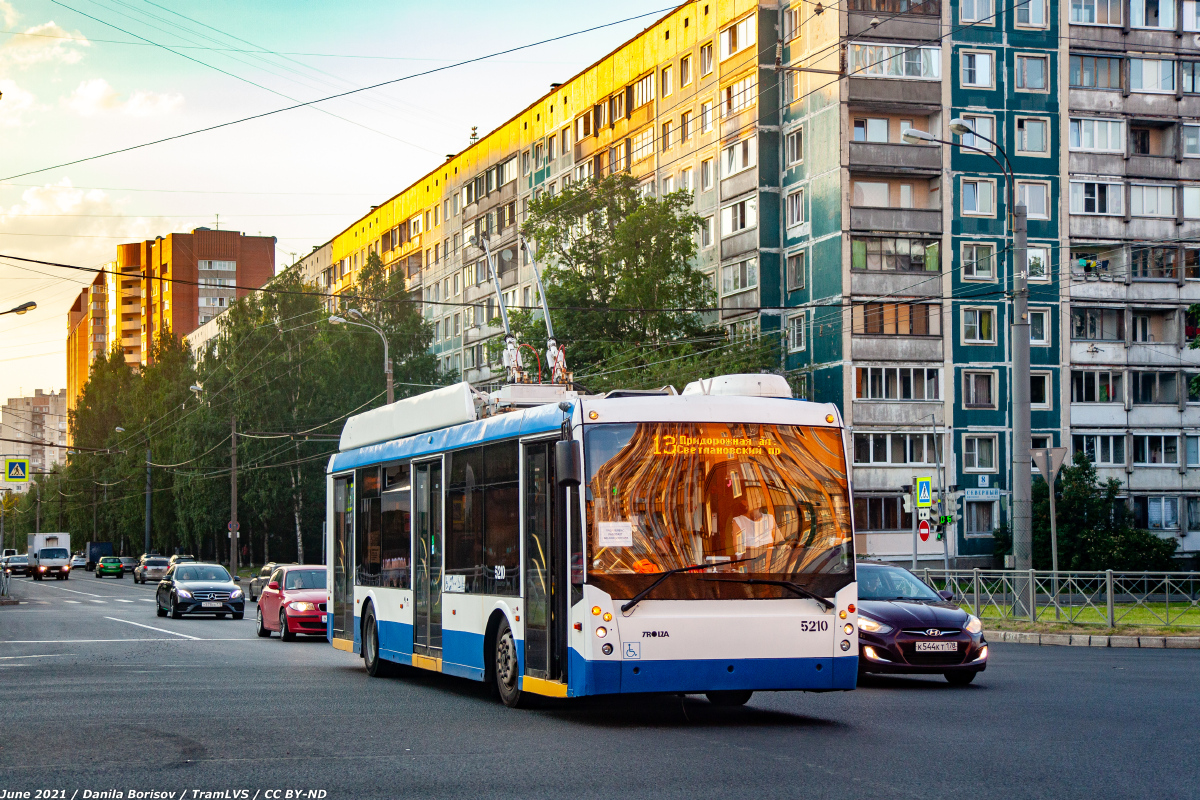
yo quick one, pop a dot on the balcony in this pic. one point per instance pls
(902, 19)
(903, 220)
(900, 157)
(882, 92)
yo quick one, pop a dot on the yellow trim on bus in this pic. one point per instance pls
(344, 644)
(543, 687)
(426, 662)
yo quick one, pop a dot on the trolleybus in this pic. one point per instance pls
(565, 545)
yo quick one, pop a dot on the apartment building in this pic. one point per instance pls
(38, 424)
(176, 282)
(885, 267)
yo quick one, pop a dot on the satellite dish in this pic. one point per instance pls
(506, 254)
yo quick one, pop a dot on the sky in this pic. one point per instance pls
(83, 77)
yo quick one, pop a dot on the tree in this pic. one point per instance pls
(1095, 528)
(626, 298)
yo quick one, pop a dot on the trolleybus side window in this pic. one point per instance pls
(395, 533)
(367, 530)
(343, 533)
(483, 532)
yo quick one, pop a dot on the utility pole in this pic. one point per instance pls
(147, 550)
(233, 520)
(37, 519)
(1022, 469)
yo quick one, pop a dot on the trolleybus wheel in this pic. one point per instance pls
(376, 667)
(729, 698)
(506, 668)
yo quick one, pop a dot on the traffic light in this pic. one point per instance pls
(908, 505)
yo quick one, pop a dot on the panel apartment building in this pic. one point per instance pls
(885, 268)
(176, 282)
(35, 428)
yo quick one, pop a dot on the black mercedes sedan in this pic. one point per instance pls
(907, 627)
(191, 588)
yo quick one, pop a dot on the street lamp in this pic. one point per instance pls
(362, 322)
(1022, 470)
(21, 309)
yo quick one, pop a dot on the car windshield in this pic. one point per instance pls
(891, 583)
(19, 560)
(666, 495)
(304, 579)
(54, 552)
(201, 573)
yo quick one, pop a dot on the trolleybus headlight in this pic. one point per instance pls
(872, 626)
(607, 617)
(845, 644)
(973, 624)
(607, 649)
(595, 611)
(601, 632)
(849, 629)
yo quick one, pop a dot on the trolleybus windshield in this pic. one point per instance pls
(666, 495)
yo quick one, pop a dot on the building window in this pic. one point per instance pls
(795, 208)
(667, 129)
(1098, 324)
(1095, 72)
(739, 156)
(739, 216)
(1102, 450)
(706, 174)
(979, 325)
(1033, 136)
(1152, 262)
(706, 58)
(1152, 201)
(1088, 197)
(1031, 73)
(891, 254)
(979, 519)
(1152, 14)
(1156, 513)
(706, 233)
(1155, 388)
(1192, 446)
(795, 146)
(795, 333)
(1040, 390)
(685, 126)
(979, 453)
(706, 116)
(739, 276)
(897, 319)
(1098, 136)
(668, 84)
(1191, 75)
(686, 182)
(1039, 327)
(795, 271)
(738, 95)
(1156, 450)
(897, 448)
(976, 10)
(1096, 12)
(978, 262)
(643, 92)
(1032, 13)
(685, 70)
(871, 129)
(1037, 261)
(881, 514)
(1152, 75)
(896, 61)
(977, 198)
(977, 69)
(979, 389)
(898, 383)
(871, 194)
(1096, 386)
(641, 145)
(1036, 197)
(737, 37)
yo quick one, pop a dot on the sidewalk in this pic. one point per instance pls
(1092, 640)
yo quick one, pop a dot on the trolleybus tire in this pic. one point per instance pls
(506, 669)
(729, 697)
(377, 667)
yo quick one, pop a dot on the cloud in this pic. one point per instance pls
(96, 96)
(42, 44)
(8, 14)
(14, 101)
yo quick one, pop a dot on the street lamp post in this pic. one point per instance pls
(1022, 469)
(21, 309)
(361, 321)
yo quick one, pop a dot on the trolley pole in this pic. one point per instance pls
(233, 515)
(1022, 469)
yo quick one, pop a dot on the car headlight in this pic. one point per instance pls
(300, 606)
(235, 594)
(872, 625)
(183, 593)
(973, 624)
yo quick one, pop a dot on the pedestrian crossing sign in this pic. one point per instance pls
(924, 492)
(16, 470)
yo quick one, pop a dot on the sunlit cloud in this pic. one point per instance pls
(47, 43)
(14, 102)
(96, 96)
(8, 14)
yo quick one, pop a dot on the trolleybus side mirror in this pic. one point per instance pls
(568, 465)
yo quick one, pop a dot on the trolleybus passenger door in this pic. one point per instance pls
(343, 558)
(427, 539)
(545, 565)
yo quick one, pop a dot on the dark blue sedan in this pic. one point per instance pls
(905, 627)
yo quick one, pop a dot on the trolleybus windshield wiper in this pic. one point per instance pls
(640, 596)
(795, 587)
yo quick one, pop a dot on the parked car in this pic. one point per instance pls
(78, 560)
(260, 581)
(17, 565)
(193, 588)
(906, 627)
(152, 568)
(109, 565)
(128, 564)
(294, 601)
(178, 559)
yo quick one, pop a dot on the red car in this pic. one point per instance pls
(293, 602)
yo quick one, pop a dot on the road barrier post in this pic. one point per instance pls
(1032, 597)
(975, 581)
(1108, 591)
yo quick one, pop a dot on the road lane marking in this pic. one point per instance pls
(72, 591)
(73, 602)
(152, 628)
(99, 602)
(48, 655)
(123, 601)
(146, 599)
(123, 641)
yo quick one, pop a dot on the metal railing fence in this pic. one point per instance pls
(1108, 598)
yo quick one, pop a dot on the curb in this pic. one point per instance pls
(1085, 640)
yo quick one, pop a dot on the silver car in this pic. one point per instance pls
(152, 568)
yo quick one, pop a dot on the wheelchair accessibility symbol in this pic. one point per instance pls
(633, 649)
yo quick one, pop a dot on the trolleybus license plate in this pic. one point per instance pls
(937, 647)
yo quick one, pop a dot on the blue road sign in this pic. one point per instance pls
(924, 492)
(16, 470)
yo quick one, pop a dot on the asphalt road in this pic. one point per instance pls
(98, 694)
